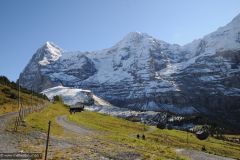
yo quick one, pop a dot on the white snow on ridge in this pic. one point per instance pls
(44, 62)
(53, 53)
(224, 38)
(101, 102)
(132, 54)
(227, 37)
(119, 112)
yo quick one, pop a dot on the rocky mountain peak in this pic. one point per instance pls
(134, 38)
(49, 44)
(49, 52)
(236, 20)
(136, 35)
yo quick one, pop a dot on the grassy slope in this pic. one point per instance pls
(9, 104)
(118, 129)
(178, 139)
(39, 120)
(158, 144)
(122, 131)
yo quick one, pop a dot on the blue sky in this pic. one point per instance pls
(88, 25)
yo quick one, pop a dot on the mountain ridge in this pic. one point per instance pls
(143, 73)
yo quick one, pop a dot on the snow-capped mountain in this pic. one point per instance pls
(144, 73)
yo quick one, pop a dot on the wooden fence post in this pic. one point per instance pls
(49, 126)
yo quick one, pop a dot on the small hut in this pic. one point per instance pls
(78, 107)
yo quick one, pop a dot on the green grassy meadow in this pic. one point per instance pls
(120, 134)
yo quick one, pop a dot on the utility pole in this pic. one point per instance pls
(31, 108)
(49, 125)
(32, 97)
(18, 119)
(19, 101)
(19, 93)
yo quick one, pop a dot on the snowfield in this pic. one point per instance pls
(70, 96)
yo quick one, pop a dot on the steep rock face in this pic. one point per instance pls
(143, 73)
(32, 77)
(69, 69)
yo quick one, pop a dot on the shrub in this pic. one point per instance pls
(57, 98)
(161, 125)
(203, 148)
(13, 96)
(6, 91)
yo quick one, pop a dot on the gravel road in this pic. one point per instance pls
(5, 118)
(71, 126)
(198, 155)
(8, 140)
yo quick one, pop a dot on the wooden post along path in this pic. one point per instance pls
(49, 126)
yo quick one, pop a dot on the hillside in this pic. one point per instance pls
(90, 135)
(9, 96)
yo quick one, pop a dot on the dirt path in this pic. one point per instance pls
(5, 118)
(198, 155)
(71, 126)
(8, 140)
(97, 146)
